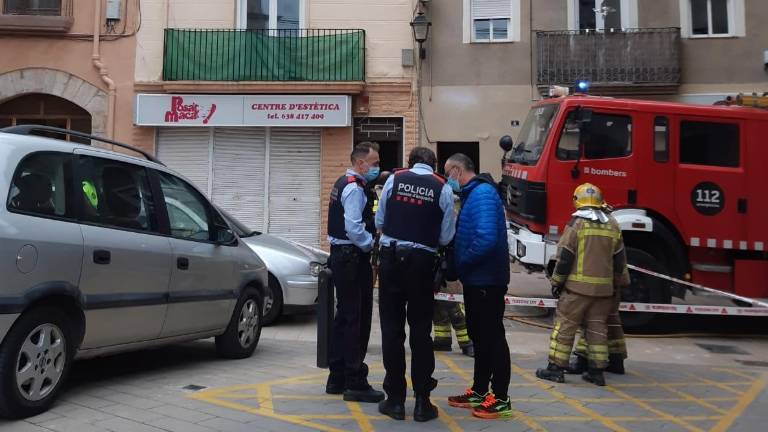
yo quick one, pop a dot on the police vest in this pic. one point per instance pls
(413, 210)
(336, 210)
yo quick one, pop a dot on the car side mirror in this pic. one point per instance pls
(506, 143)
(225, 236)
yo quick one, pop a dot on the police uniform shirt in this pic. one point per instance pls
(447, 226)
(353, 201)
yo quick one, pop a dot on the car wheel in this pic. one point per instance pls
(643, 289)
(34, 362)
(273, 301)
(244, 329)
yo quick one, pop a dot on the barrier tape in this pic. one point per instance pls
(550, 303)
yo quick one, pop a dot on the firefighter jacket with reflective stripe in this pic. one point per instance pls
(591, 258)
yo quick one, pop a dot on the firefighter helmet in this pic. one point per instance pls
(588, 195)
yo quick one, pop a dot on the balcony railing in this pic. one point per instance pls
(629, 59)
(264, 55)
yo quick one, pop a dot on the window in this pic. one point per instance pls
(32, 7)
(42, 185)
(714, 144)
(115, 194)
(712, 18)
(188, 211)
(605, 136)
(272, 14)
(661, 139)
(533, 135)
(602, 14)
(491, 20)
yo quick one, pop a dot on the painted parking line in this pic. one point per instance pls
(643, 401)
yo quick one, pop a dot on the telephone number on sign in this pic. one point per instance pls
(290, 116)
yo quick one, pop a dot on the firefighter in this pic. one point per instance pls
(591, 266)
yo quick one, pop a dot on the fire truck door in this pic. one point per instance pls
(598, 152)
(710, 183)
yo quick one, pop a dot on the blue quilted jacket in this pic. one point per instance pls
(481, 253)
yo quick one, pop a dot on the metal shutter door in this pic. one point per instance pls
(491, 8)
(294, 184)
(238, 172)
(186, 151)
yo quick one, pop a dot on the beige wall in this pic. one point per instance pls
(65, 54)
(387, 30)
(160, 14)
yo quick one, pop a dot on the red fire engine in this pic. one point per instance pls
(688, 183)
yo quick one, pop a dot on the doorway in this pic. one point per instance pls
(46, 110)
(448, 149)
(388, 133)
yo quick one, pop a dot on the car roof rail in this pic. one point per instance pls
(27, 129)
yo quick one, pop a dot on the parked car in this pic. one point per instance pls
(293, 270)
(96, 258)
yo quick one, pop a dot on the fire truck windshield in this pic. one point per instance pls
(533, 135)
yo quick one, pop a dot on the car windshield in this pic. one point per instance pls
(238, 227)
(533, 135)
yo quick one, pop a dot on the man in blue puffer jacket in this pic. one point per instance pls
(481, 257)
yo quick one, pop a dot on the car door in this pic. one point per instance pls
(202, 290)
(126, 259)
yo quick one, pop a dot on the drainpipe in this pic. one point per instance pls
(99, 65)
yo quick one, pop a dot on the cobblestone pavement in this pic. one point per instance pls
(673, 384)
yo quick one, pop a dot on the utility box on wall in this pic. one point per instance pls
(112, 11)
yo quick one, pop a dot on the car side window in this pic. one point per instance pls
(115, 194)
(42, 185)
(606, 136)
(188, 211)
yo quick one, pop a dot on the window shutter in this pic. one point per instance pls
(491, 8)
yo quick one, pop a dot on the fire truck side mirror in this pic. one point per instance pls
(506, 143)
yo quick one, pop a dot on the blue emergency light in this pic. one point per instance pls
(582, 86)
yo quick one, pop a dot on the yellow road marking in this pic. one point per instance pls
(680, 393)
(360, 417)
(448, 420)
(265, 397)
(516, 414)
(724, 386)
(578, 406)
(659, 413)
(735, 372)
(740, 406)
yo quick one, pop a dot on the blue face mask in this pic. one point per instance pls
(454, 184)
(371, 174)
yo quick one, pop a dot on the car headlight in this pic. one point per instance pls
(315, 268)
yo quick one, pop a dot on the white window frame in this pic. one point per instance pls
(629, 13)
(736, 20)
(242, 14)
(513, 29)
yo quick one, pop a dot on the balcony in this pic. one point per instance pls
(306, 55)
(629, 62)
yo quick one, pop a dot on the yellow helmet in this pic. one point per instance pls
(588, 195)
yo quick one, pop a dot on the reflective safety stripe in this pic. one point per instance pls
(581, 346)
(590, 279)
(598, 352)
(592, 230)
(462, 336)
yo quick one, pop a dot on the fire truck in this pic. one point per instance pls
(688, 185)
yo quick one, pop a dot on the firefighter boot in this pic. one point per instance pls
(553, 373)
(615, 364)
(468, 350)
(579, 365)
(424, 410)
(594, 376)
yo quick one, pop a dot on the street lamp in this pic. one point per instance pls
(420, 26)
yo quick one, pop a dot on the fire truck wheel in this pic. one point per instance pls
(644, 288)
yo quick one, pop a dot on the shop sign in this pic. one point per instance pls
(243, 110)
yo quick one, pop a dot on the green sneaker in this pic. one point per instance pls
(493, 408)
(470, 399)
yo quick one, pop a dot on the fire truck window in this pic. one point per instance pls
(661, 139)
(606, 136)
(714, 144)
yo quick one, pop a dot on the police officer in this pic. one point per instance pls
(591, 265)
(416, 217)
(350, 263)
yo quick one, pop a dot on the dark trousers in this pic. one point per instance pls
(353, 279)
(405, 293)
(485, 322)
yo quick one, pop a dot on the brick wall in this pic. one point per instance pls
(396, 100)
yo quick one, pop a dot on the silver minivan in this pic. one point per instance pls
(96, 258)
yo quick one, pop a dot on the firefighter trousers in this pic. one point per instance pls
(449, 314)
(616, 342)
(575, 311)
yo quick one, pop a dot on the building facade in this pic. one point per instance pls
(54, 71)
(488, 60)
(259, 102)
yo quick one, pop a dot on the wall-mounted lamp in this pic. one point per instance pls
(420, 26)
